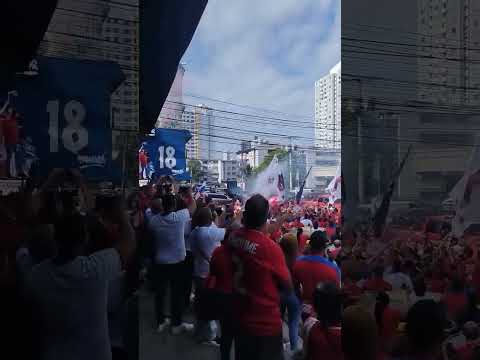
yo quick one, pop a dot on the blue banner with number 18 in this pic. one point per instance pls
(165, 152)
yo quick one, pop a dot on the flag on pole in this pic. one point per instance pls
(200, 191)
(335, 186)
(466, 195)
(380, 216)
(300, 191)
(270, 182)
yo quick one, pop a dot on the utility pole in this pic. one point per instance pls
(290, 163)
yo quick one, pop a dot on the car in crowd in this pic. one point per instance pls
(219, 199)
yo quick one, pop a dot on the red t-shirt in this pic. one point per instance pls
(390, 320)
(310, 270)
(377, 285)
(302, 243)
(331, 231)
(324, 344)
(351, 290)
(10, 129)
(221, 269)
(142, 158)
(259, 268)
(276, 235)
(436, 285)
(455, 303)
(466, 351)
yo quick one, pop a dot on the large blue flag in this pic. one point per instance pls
(61, 118)
(166, 29)
(166, 153)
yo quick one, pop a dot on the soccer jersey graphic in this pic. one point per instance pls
(62, 118)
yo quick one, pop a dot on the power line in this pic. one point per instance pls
(407, 45)
(247, 106)
(399, 31)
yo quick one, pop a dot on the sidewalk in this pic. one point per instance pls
(154, 346)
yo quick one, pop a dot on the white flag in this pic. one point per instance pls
(335, 186)
(270, 182)
(466, 195)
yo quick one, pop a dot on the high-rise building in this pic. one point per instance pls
(121, 42)
(448, 30)
(76, 30)
(173, 108)
(205, 121)
(328, 111)
(99, 30)
(190, 122)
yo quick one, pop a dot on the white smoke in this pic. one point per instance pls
(267, 182)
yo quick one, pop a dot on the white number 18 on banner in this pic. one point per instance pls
(167, 157)
(74, 135)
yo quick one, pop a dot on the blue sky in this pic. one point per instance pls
(265, 54)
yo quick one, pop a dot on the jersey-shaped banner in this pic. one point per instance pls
(165, 153)
(63, 117)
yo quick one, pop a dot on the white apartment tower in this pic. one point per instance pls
(191, 123)
(448, 63)
(172, 111)
(199, 120)
(206, 121)
(121, 34)
(328, 111)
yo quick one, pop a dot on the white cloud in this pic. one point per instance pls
(265, 53)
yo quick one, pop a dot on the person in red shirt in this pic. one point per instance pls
(455, 300)
(323, 335)
(9, 124)
(376, 283)
(351, 291)
(387, 320)
(359, 335)
(260, 272)
(424, 328)
(302, 240)
(276, 235)
(143, 161)
(331, 230)
(314, 268)
(221, 275)
(436, 282)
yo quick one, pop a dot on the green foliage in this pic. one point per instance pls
(280, 153)
(195, 167)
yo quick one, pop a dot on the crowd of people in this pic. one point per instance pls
(68, 272)
(341, 292)
(72, 266)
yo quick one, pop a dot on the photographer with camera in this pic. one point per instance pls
(166, 221)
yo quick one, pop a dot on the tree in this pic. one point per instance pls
(195, 167)
(280, 153)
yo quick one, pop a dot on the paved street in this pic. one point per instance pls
(154, 346)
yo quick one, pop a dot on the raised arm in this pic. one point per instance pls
(127, 243)
(80, 181)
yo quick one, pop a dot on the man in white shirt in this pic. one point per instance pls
(169, 252)
(68, 294)
(204, 239)
(398, 279)
(306, 222)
